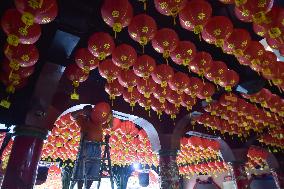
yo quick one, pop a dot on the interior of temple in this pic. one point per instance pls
(130, 94)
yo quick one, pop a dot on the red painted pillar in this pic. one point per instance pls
(26, 151)
(239, 175)
(169, 175)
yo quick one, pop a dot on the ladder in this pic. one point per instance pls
(105, 166)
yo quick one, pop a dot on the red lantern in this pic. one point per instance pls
(175, 98)
(201, 64)
(183, 53)
(22, 72)
(195, 15)
(253, 55)
(131, 97)
(114, 89)
(255, 9)
(146, 87)
(171, 110)
(161, 93)
(22, 55)
(11, 84)
(195, 87)
(188, 102)
(101, 113)
(37, 11)
(218, 29)
(231, 79)
(144, 66)
(163, 74)
(165, 41)
(85, 60)
(179, 82)
(101, 45)
(124, 56)
(217, 72)
(117, 14)
(169, 7)
(75, 74)
(207, 91)
(158, 106)
(237, 42)
(142, 29)
(145, 102)
(109, 70)
(17, 31)
(128, 79)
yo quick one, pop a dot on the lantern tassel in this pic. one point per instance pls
(144, 5)
(143, 49)
(270, 84)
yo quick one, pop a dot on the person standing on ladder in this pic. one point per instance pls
(91, 122)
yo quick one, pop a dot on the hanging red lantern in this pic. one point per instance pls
(22, 72)
(165, 41)
(142, 29)
(183, 53)
(195, 87)
(218, 29)
(85, 60)
(146, 87)
(145, 103)
(188, 102)
(109, 70)
(113, 89)
(22, 55)
(253, 55)
(201, 63)
(144, 66)
(255, 10)
(17, 31)
(161, 93)
(128, 79)
(11, 85)
(171, 110)
(207, 91)
(179, 82)
(217, 72)
(269, 59)
(124, 56)
(170, 7)
(131, 97)
(163, 74)
(101, 113)
(175, 98)
(101, 45)
(76, 75)
(117, 14)
(195, 15)
(231, 79)
(37, 11)
(158, 106)
(237, 42)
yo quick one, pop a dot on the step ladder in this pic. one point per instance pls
(104, 168)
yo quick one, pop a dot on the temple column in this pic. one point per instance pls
(239, 175)
(22, 166)
(169, 175)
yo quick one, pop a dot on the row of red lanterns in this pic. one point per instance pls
(22, 27)
(195, 149)
(257, 156)
(210, 168)
(267, 100)
(267, 20)
(143, 29)
(272, 140)
(216, 123)
(250, 111)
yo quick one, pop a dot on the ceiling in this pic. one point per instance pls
(78, 19)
